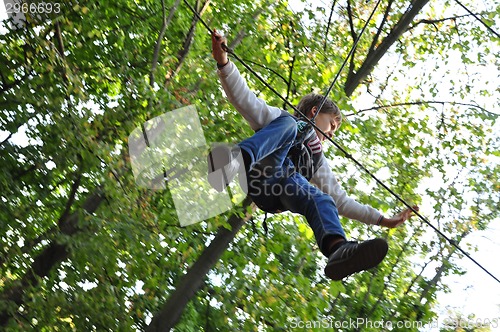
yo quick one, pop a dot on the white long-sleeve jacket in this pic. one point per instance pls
(259, 114)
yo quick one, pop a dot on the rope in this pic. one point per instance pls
(348, 155)
(351, 51)
(477, 18)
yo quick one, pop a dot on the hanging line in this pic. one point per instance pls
(480, 20)
(323, 101)
(348, 155)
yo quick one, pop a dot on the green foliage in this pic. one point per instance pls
(74, 87)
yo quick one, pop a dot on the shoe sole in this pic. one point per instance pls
(369, 254)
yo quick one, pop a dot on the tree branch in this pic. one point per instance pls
(21, 173)
(372, 59)
(351, 21)
(156, 52)
(399, 259)
(186, 46)
(165, 23)
(6, 139)
(429, 21)
(285, 80)
(4, 82)
(290, 80)
(242, 33)
(423, 103)
(16, 82)
(53, 254)
(60, 44)
(71, 200)
(328, 25)
(354, 38)
(30, 244)
(191, 282)
(445, 266)
(60, 49)
(381, 26)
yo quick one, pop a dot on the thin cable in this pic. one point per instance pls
(323, 101)
(480, 20)
(348, 155)
(198, 16)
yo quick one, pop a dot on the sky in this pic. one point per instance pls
(476, 292)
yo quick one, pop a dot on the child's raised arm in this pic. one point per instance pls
(253, 109)
(217, 51)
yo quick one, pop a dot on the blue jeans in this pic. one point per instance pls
(274, 185)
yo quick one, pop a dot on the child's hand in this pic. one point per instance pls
(217, 51)
(398, 219)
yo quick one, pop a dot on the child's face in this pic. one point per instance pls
(326, 122)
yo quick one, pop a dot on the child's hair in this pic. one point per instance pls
(309, 101)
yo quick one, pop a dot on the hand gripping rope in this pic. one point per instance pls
(348, 155)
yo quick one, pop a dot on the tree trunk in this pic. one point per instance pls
(439, 273)
(53, 254)
(191, 282)
(373, 57)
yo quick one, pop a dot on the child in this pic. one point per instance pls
(280, 159)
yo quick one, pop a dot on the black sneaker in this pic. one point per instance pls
(353, 257)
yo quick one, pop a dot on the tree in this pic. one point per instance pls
(84, 248)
